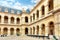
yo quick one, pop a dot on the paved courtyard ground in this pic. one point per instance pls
(22, 38)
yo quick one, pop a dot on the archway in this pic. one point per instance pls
(43, 29)
(5, 19)
(26, 19)
(51, 28)
(5, 31)
(33, 30)
(0, 19)
(17, 31)
(12, 20)
(12, 31)
(37, 30)
(18, 21)
(26, 30)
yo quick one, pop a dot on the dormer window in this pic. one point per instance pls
(18, 12)
(6, 10)
(0, 8)
(12, 11)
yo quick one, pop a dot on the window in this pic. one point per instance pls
(43, 10)
(43, 29)
(18, 21)
(37, 29)
(37, 13)
(26, 19)
(5, 19)
(12, 20)
(33, 16)
(50, 5)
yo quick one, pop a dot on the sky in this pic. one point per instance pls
(19, 4)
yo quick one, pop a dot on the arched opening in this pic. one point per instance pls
(17, 31)
(33, 30)
(43, 29)
(43, 10)
(5, 31)
(18, 21)
(37, 30)
(12, 31)
(5, 19)
(0, 19)
(12, 20)
(26, 30)
(0, 31)
(33, 16)
(37, 13)
(26, 19)
(51, 28)
(50, 5)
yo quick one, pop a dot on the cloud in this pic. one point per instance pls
(35, 1)
(16, 4)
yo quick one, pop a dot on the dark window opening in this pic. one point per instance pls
(43, 10)
(26, 19)
(26, 30)
(33, 16)
(50, 5)
(37, 13)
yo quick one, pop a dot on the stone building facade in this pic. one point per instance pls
(44, 19)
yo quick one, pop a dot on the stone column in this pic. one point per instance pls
(22, 31)
(40, 31)
(46, 30)
(29, 20)
(22, 20)
(9, 20)
(40, 14)
(15, 21)
(1, 31)
(14, 31)
(35, 17)
(35, 31)
(46, 7)
(57, 23)
(8, 31)
(28, 31)
(32, 31)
